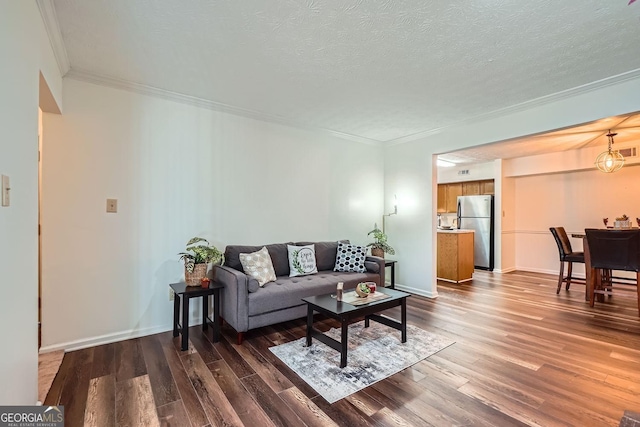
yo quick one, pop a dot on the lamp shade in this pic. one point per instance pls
(610, 160)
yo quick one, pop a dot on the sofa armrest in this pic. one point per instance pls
(381, 269)
(235, 297)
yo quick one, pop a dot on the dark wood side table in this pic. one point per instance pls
(184, 293)
(391, 263)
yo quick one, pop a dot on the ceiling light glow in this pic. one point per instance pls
(444, 163)
(610, 160)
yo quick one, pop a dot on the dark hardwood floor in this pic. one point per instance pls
(523, 356)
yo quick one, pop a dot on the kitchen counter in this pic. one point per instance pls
(455, 255)
(454, 231)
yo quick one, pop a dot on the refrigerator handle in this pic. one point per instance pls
(458, 215)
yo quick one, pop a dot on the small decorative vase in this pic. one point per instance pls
(377, 252)
(622, 224)
(194, 278)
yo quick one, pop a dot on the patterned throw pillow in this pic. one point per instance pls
(302, 260)
(350, 258)
(259, 266)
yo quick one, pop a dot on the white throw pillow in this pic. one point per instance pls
(302, 260)
(259, 266)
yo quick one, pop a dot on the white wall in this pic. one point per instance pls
(506, 212)
(574, 200)
(177, 171)
(409, 172)
(24, 52)
(415, 233)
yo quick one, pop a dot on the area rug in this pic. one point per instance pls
(374, 353)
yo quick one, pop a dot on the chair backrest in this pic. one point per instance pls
(614, 249)
(562, 240)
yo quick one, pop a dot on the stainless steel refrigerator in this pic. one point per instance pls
(476, 213)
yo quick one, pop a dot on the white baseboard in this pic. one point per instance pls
(416, 291)
(504, 270)
(105, 339)
(136, 333)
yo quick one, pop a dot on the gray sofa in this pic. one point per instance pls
(245, 305)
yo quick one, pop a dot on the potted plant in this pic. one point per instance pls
(622, 222)
(380, 246)
(197, 256)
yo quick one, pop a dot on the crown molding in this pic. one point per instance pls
(142, 89)
(537, 102)
(113, 82)
(50, 19)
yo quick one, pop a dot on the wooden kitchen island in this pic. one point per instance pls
(455, 255)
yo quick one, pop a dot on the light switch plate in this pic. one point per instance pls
(6, 188)
(112, 205)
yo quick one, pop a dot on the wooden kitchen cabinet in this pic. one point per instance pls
(442, 198)
(448, 193)
(471, 188)
(455, 255)
(453, 191)
(487, 186)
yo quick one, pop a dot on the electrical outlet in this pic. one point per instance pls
(112, 205)
(172, 294)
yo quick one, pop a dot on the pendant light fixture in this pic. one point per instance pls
(610, 160)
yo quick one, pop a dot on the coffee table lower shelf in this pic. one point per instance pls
(346, 313)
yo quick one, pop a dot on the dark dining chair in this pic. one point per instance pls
(613, 250)
(566, 255)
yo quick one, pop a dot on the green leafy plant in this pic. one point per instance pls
(380, 241)
(296, 263)
(362, 290)
(198, 253)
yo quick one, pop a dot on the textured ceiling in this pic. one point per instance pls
(380, 70)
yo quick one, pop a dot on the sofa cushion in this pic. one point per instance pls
(277, 252)
(350, 258)
(325, 253)
(289, 291)
(302, 260)
(258, 265)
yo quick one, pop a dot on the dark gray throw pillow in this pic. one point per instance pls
(372, 266)
(252, 285)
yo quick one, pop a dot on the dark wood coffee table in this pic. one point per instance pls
(345, 313)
